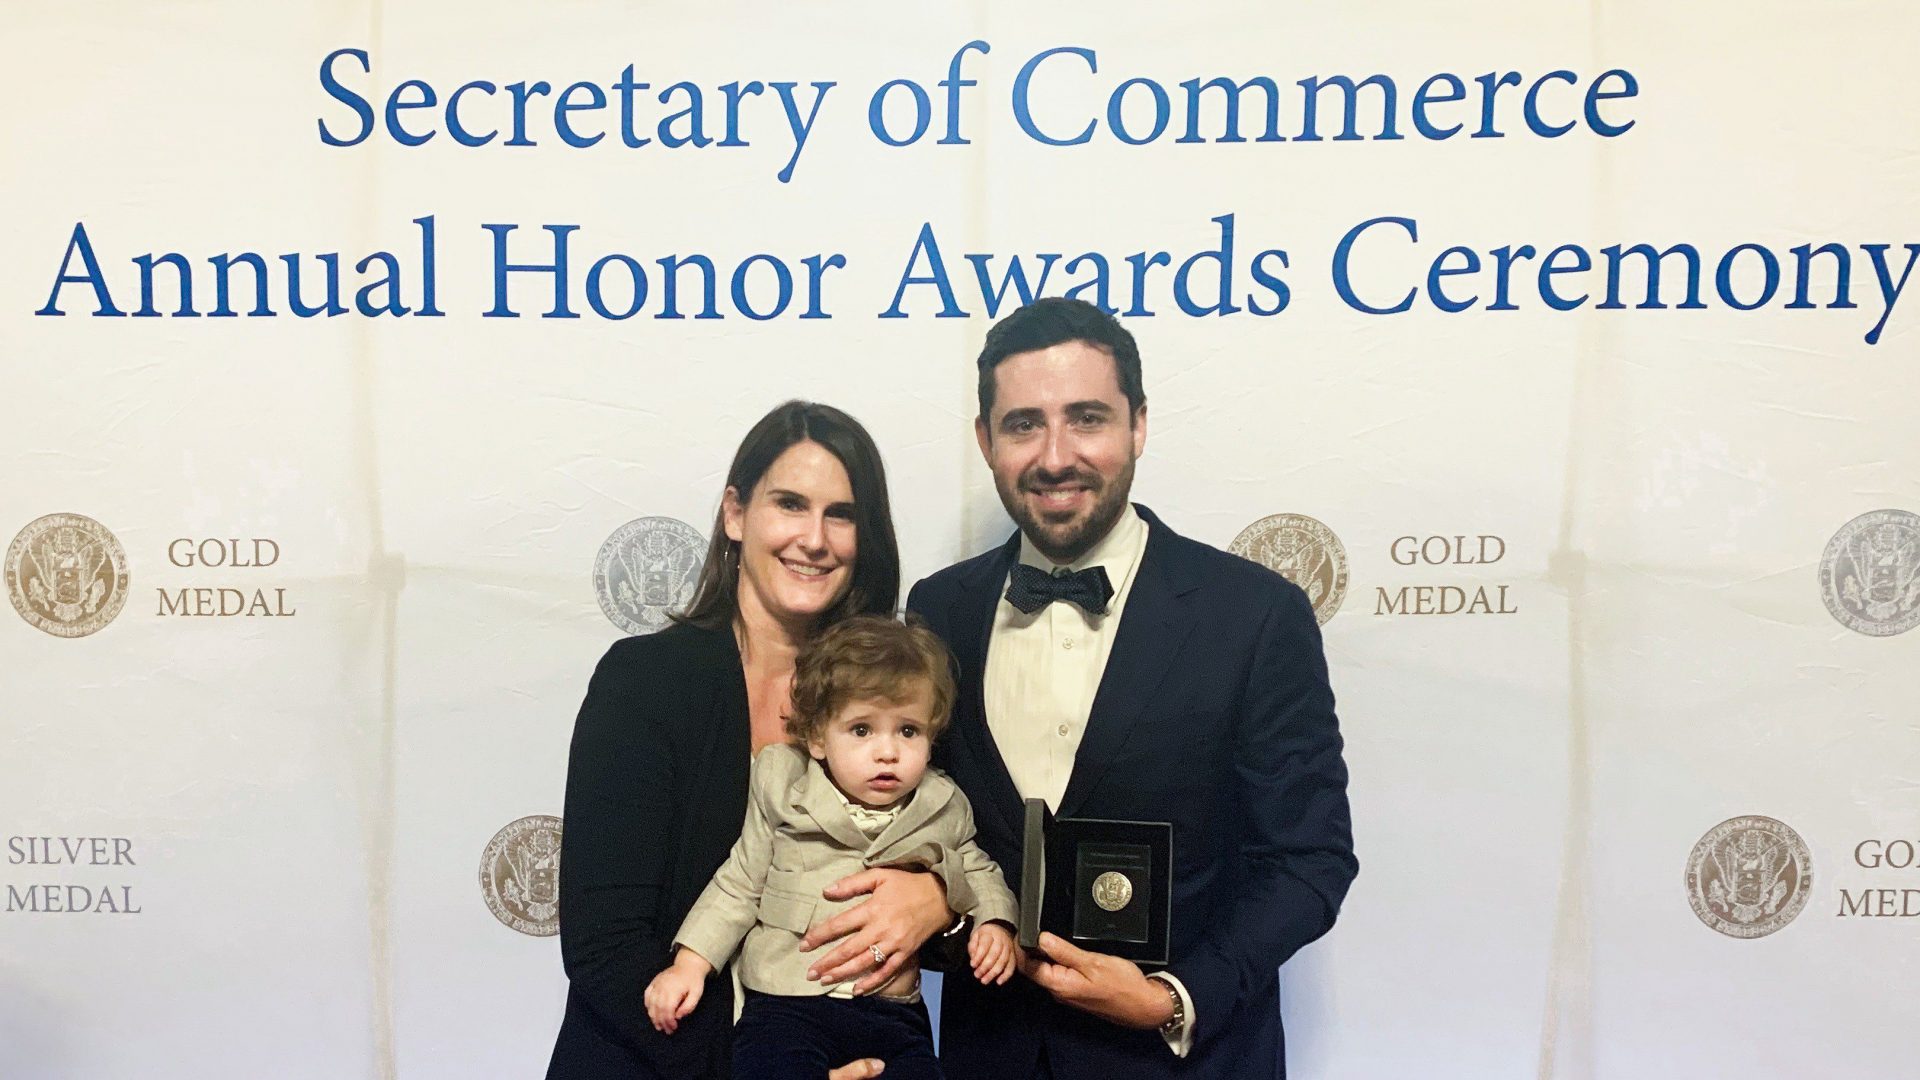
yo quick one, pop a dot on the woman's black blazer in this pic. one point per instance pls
(656, 792)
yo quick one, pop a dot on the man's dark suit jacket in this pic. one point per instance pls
(656, 792)
(1215, 714)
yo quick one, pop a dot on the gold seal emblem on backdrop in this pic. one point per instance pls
(520, 875)
(1749, 876)
(647, 568)
(1870, 573)
(1112, 891)
(67, 575)
(1304, 552)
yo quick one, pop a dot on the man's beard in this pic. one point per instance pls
(1064, 542)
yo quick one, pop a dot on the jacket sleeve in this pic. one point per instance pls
(920, 606)
(730, 904)
(1296, 848)
(975, 887)
(948, 951)
(614, 843)
(992, 900)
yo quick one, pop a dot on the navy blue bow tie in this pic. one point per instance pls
(1030, 588)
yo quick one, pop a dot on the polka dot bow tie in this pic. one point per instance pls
(1030, 588)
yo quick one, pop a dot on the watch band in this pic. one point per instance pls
(1178, 1021)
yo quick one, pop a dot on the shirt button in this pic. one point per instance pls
(1067, 644)
(1063, 730)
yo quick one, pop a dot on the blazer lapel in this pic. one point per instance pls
(726, 751)
(816, 796)
(932, 796)
(1153, 625)
(971, 620)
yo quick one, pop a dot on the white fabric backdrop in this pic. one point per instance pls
(306, 799)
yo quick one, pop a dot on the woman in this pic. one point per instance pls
(657, 777)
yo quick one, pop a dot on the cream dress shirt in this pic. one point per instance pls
(1043, 671)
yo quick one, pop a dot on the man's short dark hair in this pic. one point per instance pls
(1052, 321)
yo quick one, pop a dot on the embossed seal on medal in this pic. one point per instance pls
(520, 875)
(647, 568)
(67, 575)
(1112, 891)
(1749, 876)
(1870, 573)
(1304, 552)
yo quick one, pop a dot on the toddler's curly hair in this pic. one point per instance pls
(864, 658)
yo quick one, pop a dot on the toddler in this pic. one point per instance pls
(851, 790)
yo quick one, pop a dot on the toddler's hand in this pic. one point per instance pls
(674, 992)
(991, 950)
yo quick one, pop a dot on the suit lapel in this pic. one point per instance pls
(933, 794)
(814, 794)
(971, 620)
(1153, 625)
(727, 746)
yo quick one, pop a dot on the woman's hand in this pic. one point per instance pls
(902, 910)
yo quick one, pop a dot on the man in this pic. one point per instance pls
(1121, 671)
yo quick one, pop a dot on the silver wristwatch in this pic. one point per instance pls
(1176, 1023)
